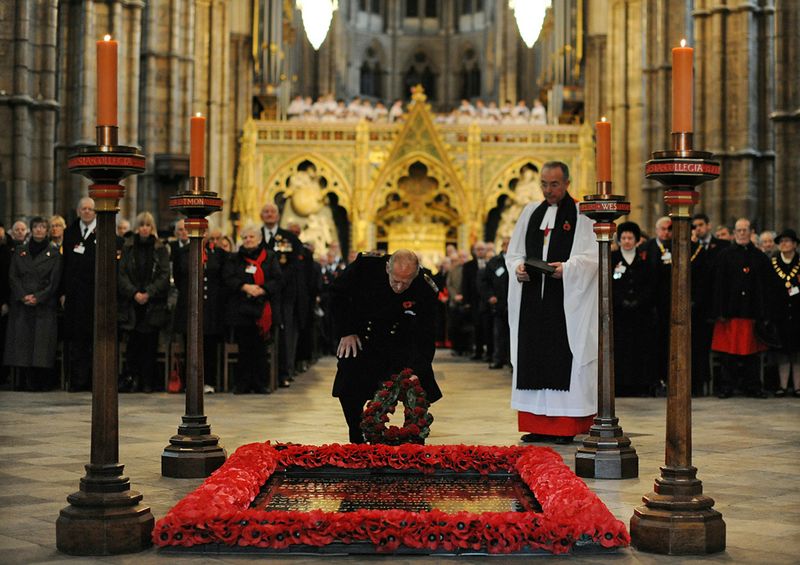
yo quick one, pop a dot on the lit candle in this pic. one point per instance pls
(107, 82)
(603, 156)
(197, 154)
(682, 84)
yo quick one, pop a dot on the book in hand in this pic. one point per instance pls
(537, 266)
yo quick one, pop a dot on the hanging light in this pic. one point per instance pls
(317, 16)
(530, 17)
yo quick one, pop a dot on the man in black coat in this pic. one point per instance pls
(472, 288)
(77, 287)
(658, 253)
(384, 316)
(705, 249)
(293, 304)
(741, 299)
(495, 278)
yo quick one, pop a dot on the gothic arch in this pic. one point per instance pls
(337, 182)
(499, 185)
(388, 180)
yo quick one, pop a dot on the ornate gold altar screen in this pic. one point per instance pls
(416, 184)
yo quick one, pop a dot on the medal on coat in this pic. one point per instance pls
(566, 226)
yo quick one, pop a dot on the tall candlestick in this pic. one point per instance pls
(107, 82)
(682, 86)
(197, 155)
(603, 150)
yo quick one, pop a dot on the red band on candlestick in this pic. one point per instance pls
(682, 88)
(197, 155)
(107, 82)
(603, 149)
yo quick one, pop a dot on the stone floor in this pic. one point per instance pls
(746, 451)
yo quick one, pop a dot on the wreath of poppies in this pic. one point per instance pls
(218, 512)
(406, 388)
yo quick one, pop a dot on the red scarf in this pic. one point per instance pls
(264, 323)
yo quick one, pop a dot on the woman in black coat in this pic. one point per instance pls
(143, 288)
(253, 277)
(31, 339)
(786, 276)
(631, 283)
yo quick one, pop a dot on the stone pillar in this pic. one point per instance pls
(596, 65)
(626, 100)
(786, 116)
(734, 95)
(28, 106)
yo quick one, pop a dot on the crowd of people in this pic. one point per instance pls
(756, 278)
(274, 289)
(267, 294)
(327, 109)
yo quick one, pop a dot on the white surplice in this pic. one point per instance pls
(580, 310)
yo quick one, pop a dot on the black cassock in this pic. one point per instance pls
(397, 331)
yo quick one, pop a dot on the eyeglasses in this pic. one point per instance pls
(695, 226)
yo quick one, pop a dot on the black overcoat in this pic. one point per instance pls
(741, 283)
(243, 310)
(632, 291)
(32, 332)
(153, 315)
(397, 331)
(784, 278)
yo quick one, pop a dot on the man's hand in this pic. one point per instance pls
(459, 298)
(141, 298)
(559, 272)
(522, 274)
(349, 344)
(29, 300)
(492, 300)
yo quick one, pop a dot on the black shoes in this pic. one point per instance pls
(496, 366)
(284, 383)
(542, 438)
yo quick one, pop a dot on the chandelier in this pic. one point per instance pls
(530, 17)
(317, 16)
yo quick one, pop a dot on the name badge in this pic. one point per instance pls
(794, 291)
(250, 269)
(499, 271)
(79, 249)
(666, 258)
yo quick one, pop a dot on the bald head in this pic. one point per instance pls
(403, 268)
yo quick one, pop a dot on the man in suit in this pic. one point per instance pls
(658, 253)
(496, 280)
(472, 288)
(77, 287)
(705, 249)
(293, 302)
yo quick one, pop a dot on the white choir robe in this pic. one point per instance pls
(580, 309)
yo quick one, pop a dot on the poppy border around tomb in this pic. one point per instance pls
(218, 512)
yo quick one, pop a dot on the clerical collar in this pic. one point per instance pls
(86, 229)
(628, 255)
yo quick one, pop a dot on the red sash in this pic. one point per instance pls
(264, 323)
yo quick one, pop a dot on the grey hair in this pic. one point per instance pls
(558, 165)
(251, 228)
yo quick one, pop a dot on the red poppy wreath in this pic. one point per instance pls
(406, 388)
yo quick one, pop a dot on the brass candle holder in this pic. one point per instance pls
(194, 451)
(105, 517)
(677, 518)
(606, 453)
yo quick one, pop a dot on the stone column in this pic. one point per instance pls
(786, 116)
(734, 53)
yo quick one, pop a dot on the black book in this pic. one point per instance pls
(537, 266)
